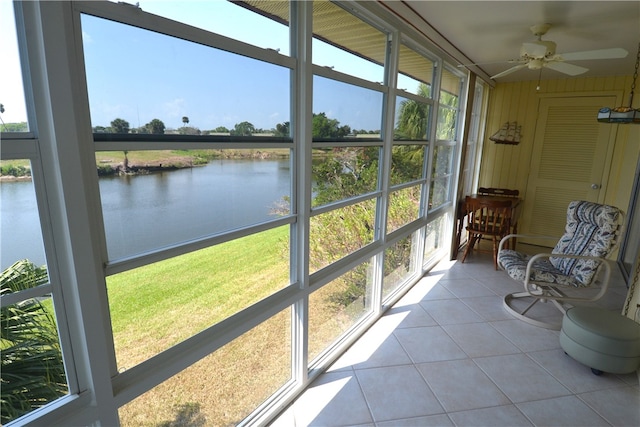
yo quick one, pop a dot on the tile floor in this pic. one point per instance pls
(448, 354)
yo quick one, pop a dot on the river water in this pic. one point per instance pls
(147, 212)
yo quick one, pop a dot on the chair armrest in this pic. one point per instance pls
(528, 236)
(605, 280)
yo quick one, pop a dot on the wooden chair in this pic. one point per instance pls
(504, 192)
(489, 218)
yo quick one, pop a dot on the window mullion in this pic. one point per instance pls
(70, 180)
(301, 36)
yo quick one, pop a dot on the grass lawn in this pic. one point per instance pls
(159, 305)
(156, 306)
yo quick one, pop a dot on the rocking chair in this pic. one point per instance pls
(592, 232)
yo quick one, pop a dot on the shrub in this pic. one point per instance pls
(32, 370)
(11, 169)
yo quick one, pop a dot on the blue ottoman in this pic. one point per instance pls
(604, 340)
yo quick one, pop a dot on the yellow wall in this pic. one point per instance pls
(507, 166)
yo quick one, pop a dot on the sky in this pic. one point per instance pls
(11, 92)
(138, 75)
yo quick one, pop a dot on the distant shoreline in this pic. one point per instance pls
(143, 163)
(12, 178)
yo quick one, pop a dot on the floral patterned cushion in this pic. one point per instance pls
(515, 264)
(591, 230)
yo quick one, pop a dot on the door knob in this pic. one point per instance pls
(595, 186)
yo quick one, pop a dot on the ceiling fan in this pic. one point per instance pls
(542, 53)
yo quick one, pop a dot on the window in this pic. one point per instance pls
(192, 193)
(13, 111)
(412, 119)
(399, 265)
(200, 288)
(262, 23)
(415, 72)
(407, 163)
(437, 238)
(343, 172)
(340, 232)
(170, 86)
(337, 307)
(447, 147)
(32, 366)
(221, 399)
(19, 218)
(474, 142)
(345, 43)
(232, 196)
(449, 105)
(441, 175)
(404, 207)
(343, 110)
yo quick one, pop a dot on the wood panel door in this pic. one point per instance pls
(570, 160)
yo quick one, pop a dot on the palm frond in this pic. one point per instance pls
(32, 369)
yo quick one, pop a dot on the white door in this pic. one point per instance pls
(570, 160)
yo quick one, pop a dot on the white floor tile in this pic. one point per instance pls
(480, 339)
(429, 344)
(429, 421)
(466, 288)
(573, 374)
(413, 316)
(561, 411)
(520, 378)
(334, 399)
(527, 337)
(397, 392)
(489, 308)
(499, 416)
(448, 353)
(460, 385)
(438, 292)
(619, 406)
(450, 311)
(372, 351)
(503, 285)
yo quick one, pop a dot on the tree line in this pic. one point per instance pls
(323, 127)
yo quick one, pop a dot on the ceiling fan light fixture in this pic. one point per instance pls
(623, 114)
(535, 64)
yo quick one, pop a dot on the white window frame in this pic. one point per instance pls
(73, 227)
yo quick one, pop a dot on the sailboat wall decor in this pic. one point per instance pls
(509, 133)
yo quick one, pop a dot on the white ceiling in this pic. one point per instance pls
(493, 31)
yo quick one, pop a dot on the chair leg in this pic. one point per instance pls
(522, 313)
(471, 241)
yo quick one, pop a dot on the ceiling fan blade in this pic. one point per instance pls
(616, 52)
(563, 67)
(509, 71)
